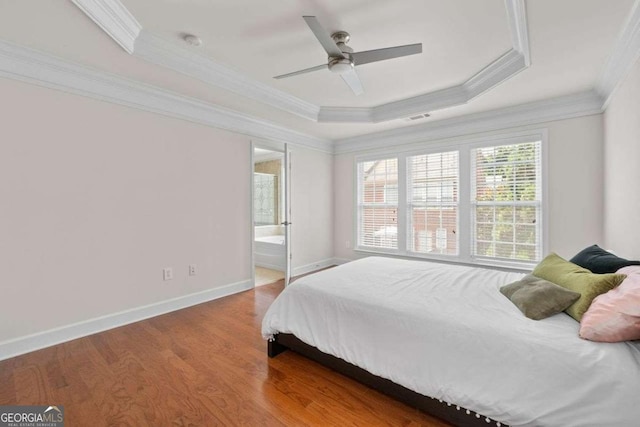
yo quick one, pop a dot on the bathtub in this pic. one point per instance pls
(270, 252)
(278, 240)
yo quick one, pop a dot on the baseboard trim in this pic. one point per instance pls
(340, 261)
(29, 343)
(314, 266)
(270, 266)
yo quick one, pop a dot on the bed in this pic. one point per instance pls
(443, 338)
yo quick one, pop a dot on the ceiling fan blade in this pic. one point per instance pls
(360, 58)
(323, 37)
(351, 78)
(306, 70)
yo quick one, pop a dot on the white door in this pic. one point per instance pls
(287, 214)
(284, 203)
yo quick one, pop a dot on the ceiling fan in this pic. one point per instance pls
(343, 60)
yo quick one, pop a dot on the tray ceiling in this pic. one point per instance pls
(569, 41)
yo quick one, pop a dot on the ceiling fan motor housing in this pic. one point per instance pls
(341, 37)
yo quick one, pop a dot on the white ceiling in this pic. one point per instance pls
(263, 39)
(570, 41)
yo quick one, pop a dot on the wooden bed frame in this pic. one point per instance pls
(453, 414)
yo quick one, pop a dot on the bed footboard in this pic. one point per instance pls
(451, 413)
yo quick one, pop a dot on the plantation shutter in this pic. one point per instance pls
(378, 204)
(507, 202)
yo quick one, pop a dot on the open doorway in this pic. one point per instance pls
(269, 206)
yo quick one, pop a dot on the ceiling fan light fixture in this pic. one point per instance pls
(340, 65)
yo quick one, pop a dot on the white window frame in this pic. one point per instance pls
(400, 237)
(406, 156)
(464, 147)
(540, 223)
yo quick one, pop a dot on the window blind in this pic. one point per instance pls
(432, 199)
(378, 204)
(506, 202)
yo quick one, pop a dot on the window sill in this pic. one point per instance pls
(453, 260)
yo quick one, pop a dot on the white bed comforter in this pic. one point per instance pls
(447, 332)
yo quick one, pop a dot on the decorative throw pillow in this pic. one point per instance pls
(597, 260)
(575, 278)
(538, 298)
(615, 316)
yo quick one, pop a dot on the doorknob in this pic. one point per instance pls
(285, 223)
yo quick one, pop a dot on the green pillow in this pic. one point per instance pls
(538, 298)
(575, 278)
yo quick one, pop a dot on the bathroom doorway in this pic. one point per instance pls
(270, 212)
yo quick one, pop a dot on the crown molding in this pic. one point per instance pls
(159, 51)
(183, 60)
(28, 65)
(505, 67)
(517, 18)
(421, 104)
(20, 63)
(624, 55)
(345, 115)
(500, 70)
(114, 19)
(565, 107)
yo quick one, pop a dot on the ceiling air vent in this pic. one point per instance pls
(418, 117)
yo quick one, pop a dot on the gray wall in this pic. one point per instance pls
(622, 168)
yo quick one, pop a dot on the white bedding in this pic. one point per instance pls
(447, 332)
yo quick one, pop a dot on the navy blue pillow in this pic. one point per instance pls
(597, 260)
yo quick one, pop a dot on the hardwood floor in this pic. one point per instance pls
(202, 366)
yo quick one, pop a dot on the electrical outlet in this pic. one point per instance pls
(347, 244)
(167, 273)
(192, 270)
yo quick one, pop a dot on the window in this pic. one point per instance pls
(481, 202)
(378, 204)
(265, 198)
(432, 183)
(506, 203)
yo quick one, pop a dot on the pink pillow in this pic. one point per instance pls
(615, 316)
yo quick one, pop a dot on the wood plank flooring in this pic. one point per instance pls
(202, 366)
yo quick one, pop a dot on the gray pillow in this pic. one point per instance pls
(538, 298)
